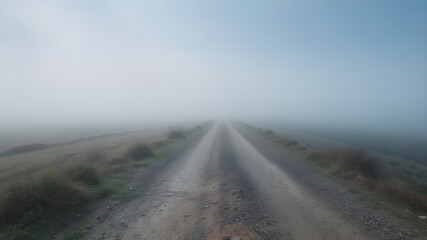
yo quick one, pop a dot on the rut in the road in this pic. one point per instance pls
(237, 210)
(203, 195)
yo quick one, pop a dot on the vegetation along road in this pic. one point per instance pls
(234, 184)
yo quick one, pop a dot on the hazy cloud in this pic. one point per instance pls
(359, 64)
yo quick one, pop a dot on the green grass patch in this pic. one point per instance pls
(114, 183)
(43, 227)
(73, 234)
(168, 148)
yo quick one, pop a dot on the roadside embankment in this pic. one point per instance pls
(41, 191)
(395, 185)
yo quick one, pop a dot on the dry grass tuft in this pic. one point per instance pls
(344, 161)
(267, 132)
(389, 180)
(299, 148)
(291, 143)
(50, 191)
(140, 152)
(399, 191)
(84, 173)
(176, 134)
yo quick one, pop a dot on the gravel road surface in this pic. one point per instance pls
(232, 184)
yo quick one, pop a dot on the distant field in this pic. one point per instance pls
(34, 162)
(414, 149)
(17, 137)
(13, 137)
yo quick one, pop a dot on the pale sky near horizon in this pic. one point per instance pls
(351, 64)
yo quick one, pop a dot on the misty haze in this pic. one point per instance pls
(213, 119)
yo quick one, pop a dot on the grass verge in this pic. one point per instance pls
(40, 207)
(397, 185)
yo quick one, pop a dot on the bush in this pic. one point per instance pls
(50, 191)
(348, 160)
(291, 143)
(83, 173)
(398, 190)
(176, 134)
(299, 148)
(140, 152)
(268, 132)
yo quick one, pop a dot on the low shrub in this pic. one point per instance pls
(140, 152)
(299, 148)
(291, 143)
(372, 173)
(50, 191)
(84, 173)
(348, 160)
(176, 134)
(398, 190)
(268, 132)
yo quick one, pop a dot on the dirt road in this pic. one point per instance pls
(223, 187)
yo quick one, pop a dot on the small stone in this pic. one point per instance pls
(422, 217)
(226, 238)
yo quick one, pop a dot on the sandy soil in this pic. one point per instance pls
(25, 165)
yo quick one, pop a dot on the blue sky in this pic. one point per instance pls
(350, 64)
